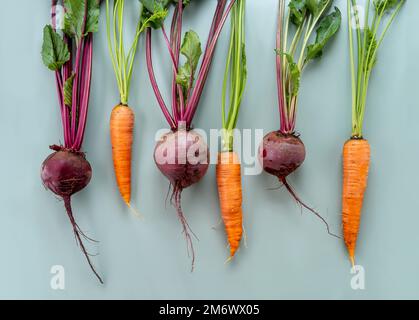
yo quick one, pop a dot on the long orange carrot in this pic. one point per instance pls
(228, 171)
(356, 163)
(122, 117)
(122, 128)
(356, 152)
(228, 168)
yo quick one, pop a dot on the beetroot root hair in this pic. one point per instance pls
(79, 234)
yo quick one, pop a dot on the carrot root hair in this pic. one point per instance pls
(186, 229)
(292, 192)
(78, 233)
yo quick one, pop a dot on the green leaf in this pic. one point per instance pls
(54, 50)
(68, 91)
(155, 5)
(93, 13)
(191, 49)
(328, 27)
(74, 17)
(326, 5)
(294, 75)
(298, 10)
(386, 5)
(153, 20)
(313, 6)
(370, 49)
(152, 7)
(184, 76)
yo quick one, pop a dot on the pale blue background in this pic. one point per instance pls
(289, 255)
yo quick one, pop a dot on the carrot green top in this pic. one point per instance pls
(236, 72)
(367, 46)
(123, 63)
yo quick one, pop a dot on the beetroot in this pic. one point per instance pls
(182, 156)
(66, 172)
(280, 154)
(70, 55)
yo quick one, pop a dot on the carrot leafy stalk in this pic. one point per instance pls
(365, 51)
(123, 61)
(69, 53)
(228, 169)
(357, 151)
(122, 116)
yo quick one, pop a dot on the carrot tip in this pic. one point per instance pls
(136, 213)
(228, 260)
(245, 238)
(352, 261)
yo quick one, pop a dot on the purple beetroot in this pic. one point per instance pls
(66, 171)
(183, 158)
(182, 155)
(282, 152)
(280, 155)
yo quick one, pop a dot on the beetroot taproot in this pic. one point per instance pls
(182, 157)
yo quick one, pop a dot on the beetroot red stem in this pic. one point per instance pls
(153, 81)
(215, 21)
(176, 88)
(177, 52)
(76, 83)
(68, 68)
(85, 90)
(59, 81)
(283, 126)
(203, 74)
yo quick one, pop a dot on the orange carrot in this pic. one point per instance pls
(356, 162)
(122, 117)
(230, 194)
(228, 168)
(122, 127)
(356, 152)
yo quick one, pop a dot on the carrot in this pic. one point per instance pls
(122, 127)
(122, 117)
(228, 171)
(356, 152)
(356, 163)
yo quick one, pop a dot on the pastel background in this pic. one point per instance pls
(288, 255)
